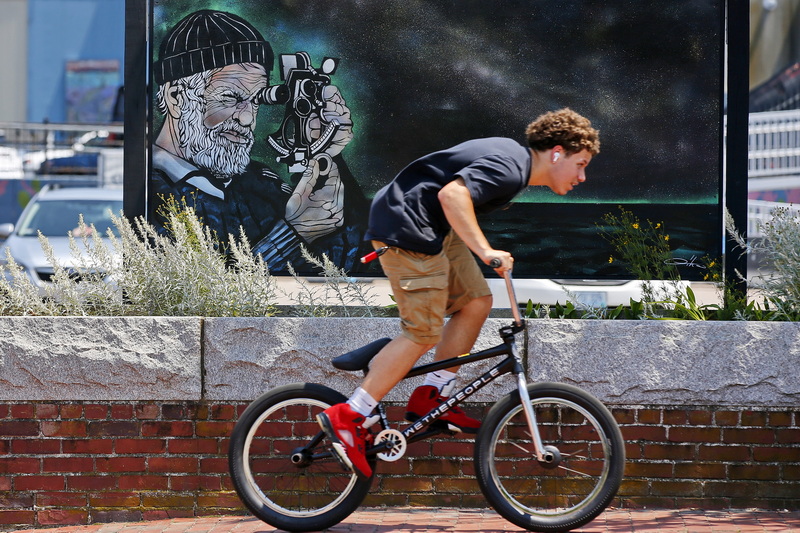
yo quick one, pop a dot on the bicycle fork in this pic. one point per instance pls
(543, 455)
(547, 455)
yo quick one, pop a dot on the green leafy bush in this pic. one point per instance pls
(643, 248)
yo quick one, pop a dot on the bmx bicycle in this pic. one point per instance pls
(548, 456)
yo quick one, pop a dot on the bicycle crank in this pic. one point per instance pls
(395, 444)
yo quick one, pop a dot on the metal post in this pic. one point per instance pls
(136, 108)
(738, 35)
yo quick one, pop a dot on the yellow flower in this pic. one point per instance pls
(658, 225)
(635, 226)
(610, 259)
(666, 237)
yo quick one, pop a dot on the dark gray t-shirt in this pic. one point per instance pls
(407, 213)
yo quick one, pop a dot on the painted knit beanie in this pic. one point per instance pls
(210, 39)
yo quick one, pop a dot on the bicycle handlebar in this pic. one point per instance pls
(512, 296)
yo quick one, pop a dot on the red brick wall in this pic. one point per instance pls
(85, 462)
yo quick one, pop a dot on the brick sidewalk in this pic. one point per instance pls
(418, 520)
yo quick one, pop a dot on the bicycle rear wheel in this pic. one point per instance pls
(282, 466)
(583, 478)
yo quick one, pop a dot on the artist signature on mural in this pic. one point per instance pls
(682, 262)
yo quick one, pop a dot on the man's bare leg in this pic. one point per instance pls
(391, 365)
(462, 330)
(399, 356)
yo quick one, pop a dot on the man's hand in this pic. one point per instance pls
(501, 258)
(316, 210)
(336, 111)
(460, 213)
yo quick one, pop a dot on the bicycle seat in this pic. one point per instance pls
(359, 358)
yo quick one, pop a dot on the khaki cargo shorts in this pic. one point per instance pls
(429, 287)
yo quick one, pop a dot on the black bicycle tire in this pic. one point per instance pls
(485, 459)
(261, 505)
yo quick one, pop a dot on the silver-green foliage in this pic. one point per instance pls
(186, 274)
(183, 274)
(143, 272)
(779, 249)
(337, 294)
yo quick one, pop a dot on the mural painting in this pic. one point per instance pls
(284, 118)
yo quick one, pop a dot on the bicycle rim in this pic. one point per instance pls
(283, 487)
(567, 493)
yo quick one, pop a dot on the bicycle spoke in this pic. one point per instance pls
(574, 471)
(523, 449)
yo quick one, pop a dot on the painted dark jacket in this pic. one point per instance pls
(255, 201)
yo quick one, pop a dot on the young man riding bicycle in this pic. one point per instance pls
(425, 227)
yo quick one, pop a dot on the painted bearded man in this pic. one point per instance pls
(212, 72)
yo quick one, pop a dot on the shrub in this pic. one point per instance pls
(780, 252)
(184, 272)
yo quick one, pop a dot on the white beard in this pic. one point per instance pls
(206, 148)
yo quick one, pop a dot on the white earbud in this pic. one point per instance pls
(556, 156)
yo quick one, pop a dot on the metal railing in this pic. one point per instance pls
(26, 148)
(773, 162)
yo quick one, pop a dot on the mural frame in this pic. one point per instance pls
(732, 184)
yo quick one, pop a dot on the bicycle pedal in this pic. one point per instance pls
(448, 429)
(342, 463)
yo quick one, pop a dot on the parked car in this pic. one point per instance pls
(77, 164)
(32, 160)
(55, 212)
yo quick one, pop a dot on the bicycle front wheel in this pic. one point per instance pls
(282, 466)
(588, 459)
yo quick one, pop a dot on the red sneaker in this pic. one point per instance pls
(346, 430)
(426, 398)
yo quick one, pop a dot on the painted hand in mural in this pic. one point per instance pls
(335, 112)
(316, 206)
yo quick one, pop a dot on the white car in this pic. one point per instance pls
(55, 212)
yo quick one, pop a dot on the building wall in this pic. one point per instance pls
(88, 462)
(95, 31)
(13, 59)
(125, 418)
(35, 44)
(774, 37)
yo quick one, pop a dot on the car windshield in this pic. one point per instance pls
(55, 218)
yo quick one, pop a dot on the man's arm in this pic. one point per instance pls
(460, 213)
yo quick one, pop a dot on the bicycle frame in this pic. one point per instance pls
(511, 364)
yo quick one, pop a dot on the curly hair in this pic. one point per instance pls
(564, 128)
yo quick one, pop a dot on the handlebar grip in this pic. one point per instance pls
(369, 257)
(495, 263)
